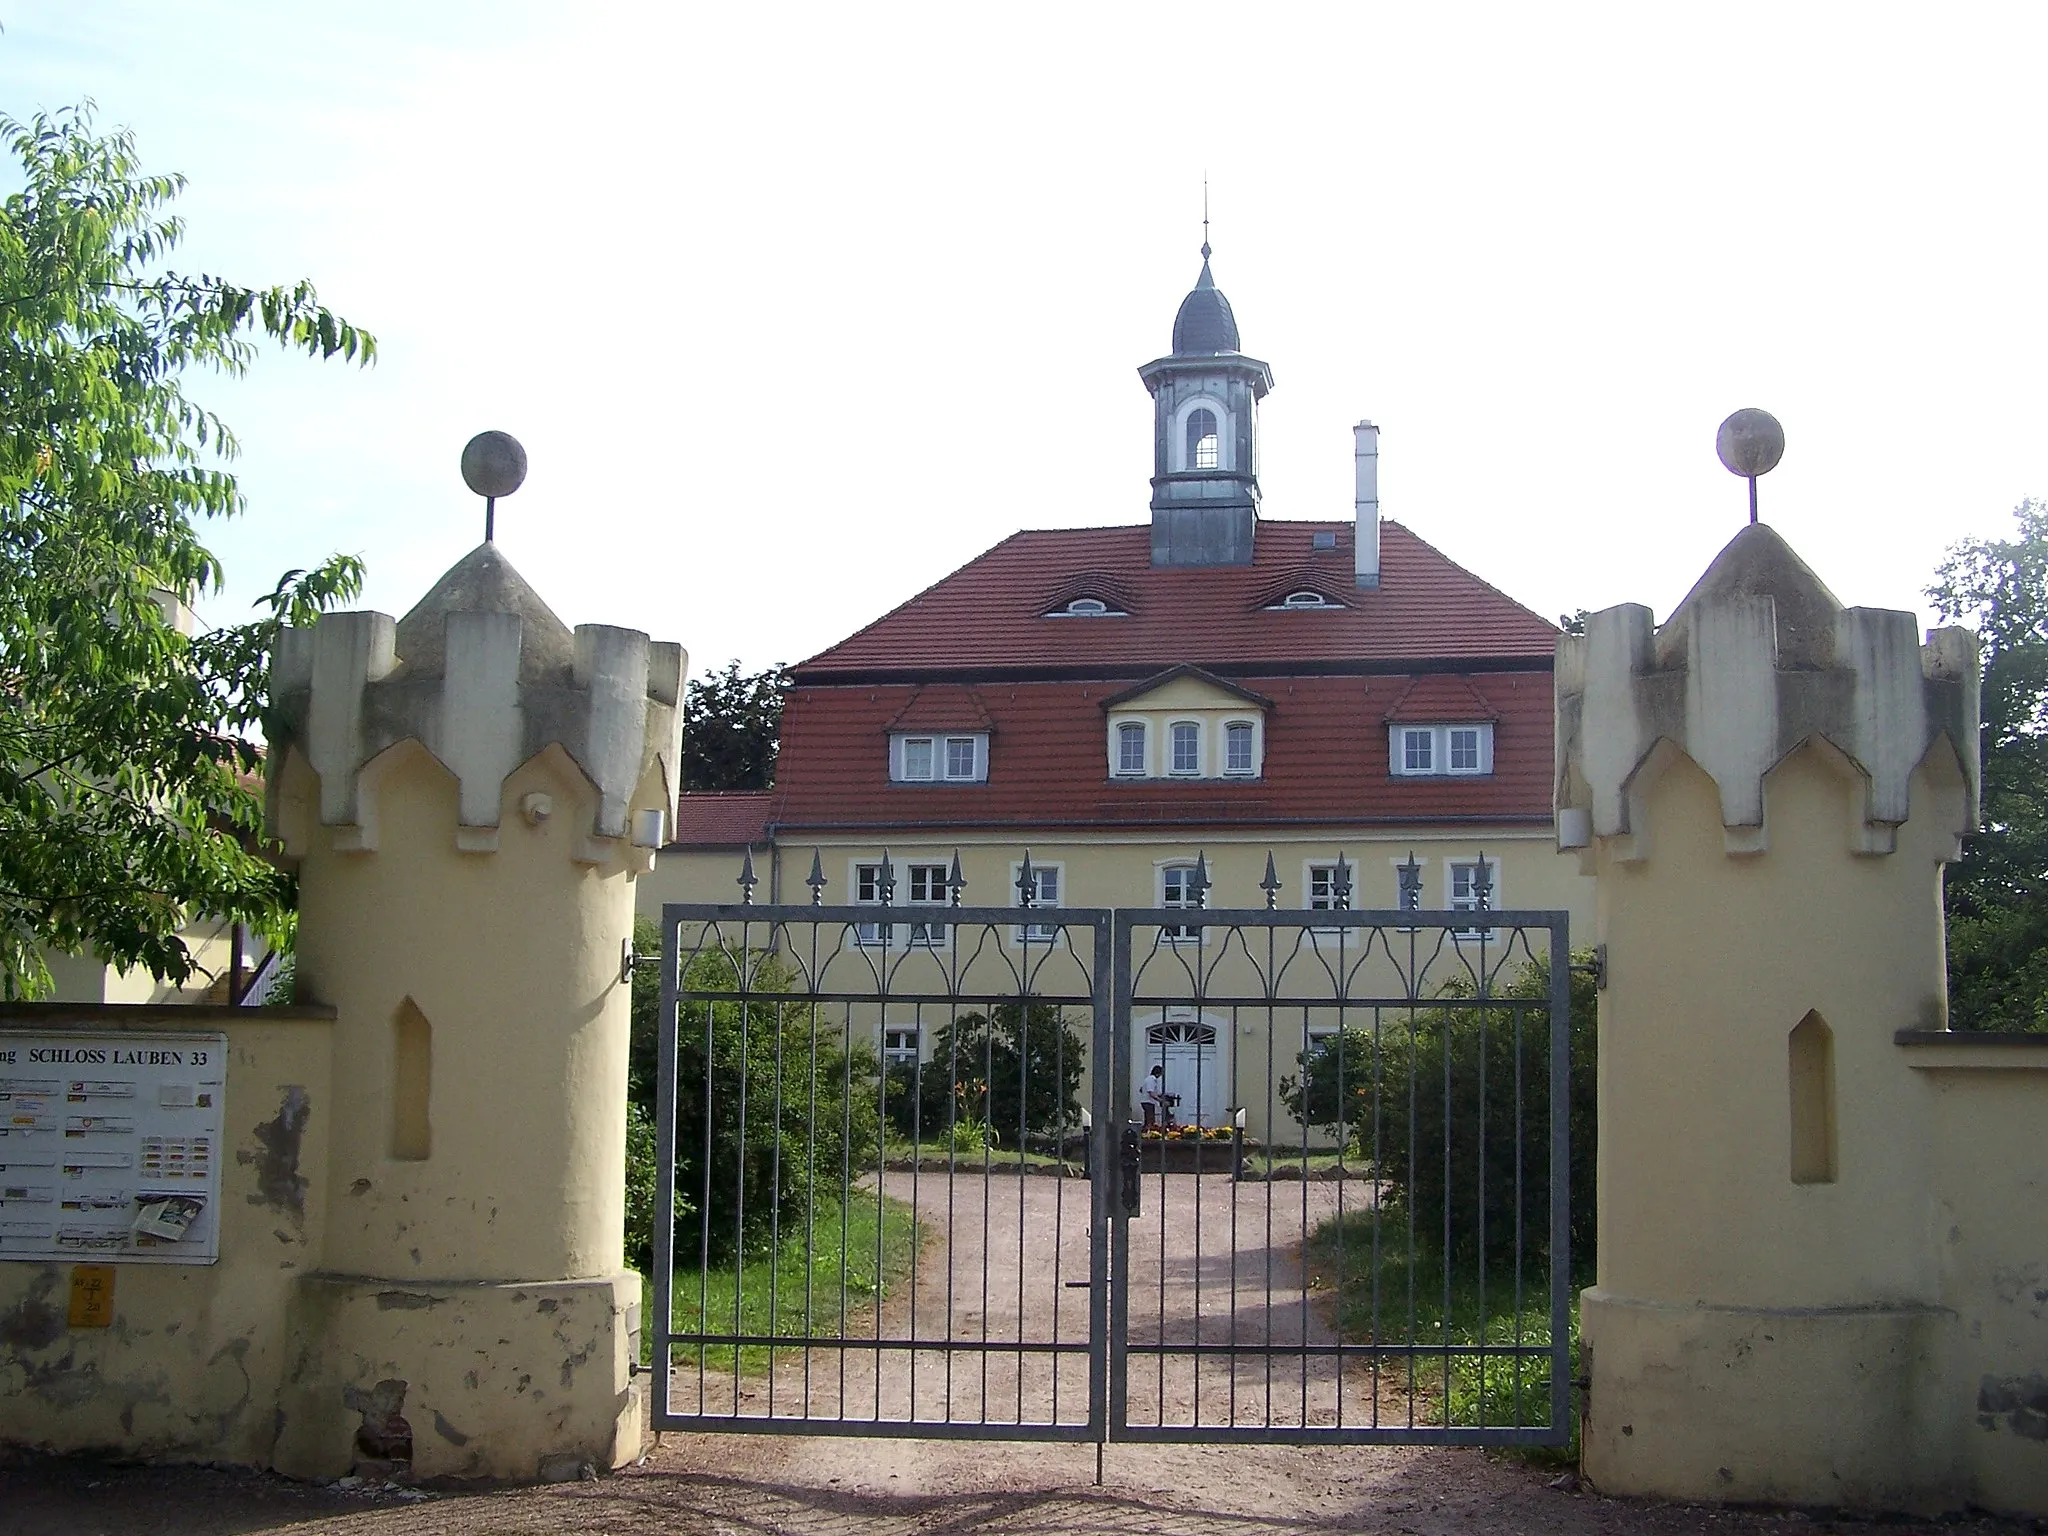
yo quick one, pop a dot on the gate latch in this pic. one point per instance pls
(1131, 1183)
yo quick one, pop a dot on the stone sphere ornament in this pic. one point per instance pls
(493, 464)
(1750, 443)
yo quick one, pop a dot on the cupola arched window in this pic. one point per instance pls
(1204, 444)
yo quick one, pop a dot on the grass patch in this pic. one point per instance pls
(798, 1290)
(930, 1153)
(1458, 1390)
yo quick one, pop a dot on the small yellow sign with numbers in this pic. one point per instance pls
(92, 1295)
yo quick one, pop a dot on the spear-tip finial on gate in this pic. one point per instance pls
(1027, 881)
(885, 879)
(1482, 884)
(747, 880)
(816, 879)
(1340, 883)
(1271, 884)
(1201, 880)
(955, 881)
(1410, 877)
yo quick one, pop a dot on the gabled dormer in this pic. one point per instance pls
(1185, 723)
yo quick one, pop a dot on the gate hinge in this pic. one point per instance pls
(629, 962)
(1597, 969)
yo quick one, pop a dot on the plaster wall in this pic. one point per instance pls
(196, 1357)
(1989, 1102)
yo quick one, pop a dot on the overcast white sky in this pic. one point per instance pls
(798, 308)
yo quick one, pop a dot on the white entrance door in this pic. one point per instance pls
(1190, 1053)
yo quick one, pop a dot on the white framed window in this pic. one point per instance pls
(927, 884)
(1187, 746)
(1201, 435)
(1177, 888)
(1319, 885)
(1047, 881)
(1417, 751)
(1303, 597)
(867, 892)
(1240, 748)
(1474, 887)
(956, 758)
(902, 1044)
(1086, 608)
(1130, 749)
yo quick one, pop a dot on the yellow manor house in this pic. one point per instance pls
(1150, 712)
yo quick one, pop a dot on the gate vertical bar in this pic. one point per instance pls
(1560, 1177)
(665, 1162)
(1105, 987)
(1112, 1099)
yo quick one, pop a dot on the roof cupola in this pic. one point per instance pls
(1205, 443)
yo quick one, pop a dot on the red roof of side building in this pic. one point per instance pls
(722, 819)
(1326, 761)
(992, 615)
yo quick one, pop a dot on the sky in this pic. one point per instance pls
(797, 308)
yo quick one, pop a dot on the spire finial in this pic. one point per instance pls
(1205, 215)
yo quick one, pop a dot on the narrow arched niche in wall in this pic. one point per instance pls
(412, 1083)
(1812, 1062)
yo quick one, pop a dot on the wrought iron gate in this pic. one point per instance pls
(922, 1180)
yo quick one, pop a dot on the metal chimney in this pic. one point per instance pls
(1366, 456)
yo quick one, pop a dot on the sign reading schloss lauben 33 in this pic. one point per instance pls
(110, 1146)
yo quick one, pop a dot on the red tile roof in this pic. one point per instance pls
(942, 707)
(1441, 697)
(723, 819)
(990, 615)
(1325, 762)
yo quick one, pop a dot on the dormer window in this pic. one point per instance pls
(1304, 597)
(1238, 738)
(1428, 751)
(1187, 747)
(1087, 608)
(948, 757)
(1204, 443)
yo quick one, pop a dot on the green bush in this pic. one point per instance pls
(746, 1169)
(1018, 1076)
(1415, 1108)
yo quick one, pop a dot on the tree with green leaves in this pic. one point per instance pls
(732, 728)
(127, 774)
(1997, 896)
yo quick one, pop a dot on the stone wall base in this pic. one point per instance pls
(1834, 1407)
(522, 1382)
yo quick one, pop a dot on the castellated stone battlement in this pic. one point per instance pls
(1758, 661)
(484, 676)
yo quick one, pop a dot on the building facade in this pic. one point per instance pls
(1148, 707)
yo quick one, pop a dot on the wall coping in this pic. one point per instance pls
(157, 1016)
(1974, 1050)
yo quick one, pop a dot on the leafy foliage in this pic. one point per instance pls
(126, 797)
(1011, 1073)
(732, 728)
(747, 1169)
(1432, 1104)
(1997, 896)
